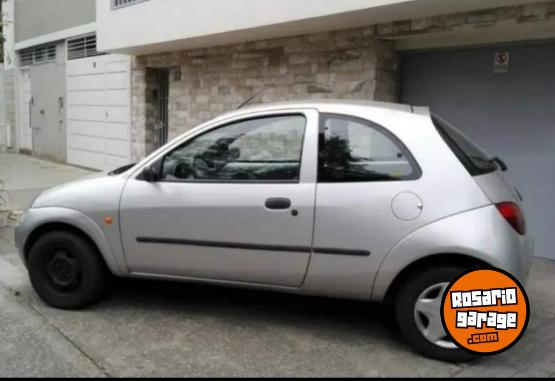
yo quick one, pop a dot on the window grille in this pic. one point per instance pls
(82, 47)
(37, 55)
(124, 3)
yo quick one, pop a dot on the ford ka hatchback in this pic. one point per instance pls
(370, 201)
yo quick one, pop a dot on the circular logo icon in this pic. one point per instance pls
(485, 311)
(502, 58)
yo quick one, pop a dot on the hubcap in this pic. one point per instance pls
(427, 314)
(64, 271)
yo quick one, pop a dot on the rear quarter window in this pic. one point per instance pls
(357, 150)
(469, 153)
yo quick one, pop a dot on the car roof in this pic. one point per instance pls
(327, 106)
(324, 104)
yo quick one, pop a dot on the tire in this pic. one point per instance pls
(412, 323)
(67, 271)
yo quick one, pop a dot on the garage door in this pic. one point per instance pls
(510, 114)
(98, 111)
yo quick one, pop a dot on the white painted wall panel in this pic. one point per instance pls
(118, 148)
(85, 67)
(116, 66)
(89, 143)
(117, 97)
(117, 114)
(88, 113)
(117, 80)
(87, 82)
(79, 127)
(117, 131)
(88, 98)
(25, 130)
(98, 111)
(85, 159)
(169, 25)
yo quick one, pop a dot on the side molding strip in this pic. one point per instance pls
(353, 253)
(226, 245)
(248, 246)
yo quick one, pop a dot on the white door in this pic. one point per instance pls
(25, 130)
(47, 111)
(98, 111)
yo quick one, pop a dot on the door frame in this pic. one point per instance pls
(24, 106)
(163, 82)
(309, 160)
(48, 111)
(307, 178)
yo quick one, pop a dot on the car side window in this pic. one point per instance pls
(357, 150)
(258, 150)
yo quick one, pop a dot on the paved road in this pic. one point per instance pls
(169, 329)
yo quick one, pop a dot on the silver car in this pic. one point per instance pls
(370, 201)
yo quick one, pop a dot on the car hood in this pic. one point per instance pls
(89, 193)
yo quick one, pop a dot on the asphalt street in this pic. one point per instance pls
(146, 328)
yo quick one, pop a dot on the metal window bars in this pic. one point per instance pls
(82, 47)
(37, 55)
(125, 3)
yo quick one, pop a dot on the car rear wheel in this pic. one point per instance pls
(66, 271)
(418, 314)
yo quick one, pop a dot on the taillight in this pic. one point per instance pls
(514, 216)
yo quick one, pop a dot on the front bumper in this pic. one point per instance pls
(20, 237)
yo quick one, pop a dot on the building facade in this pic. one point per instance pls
(64, 100)
(483, 65)
(133, 74)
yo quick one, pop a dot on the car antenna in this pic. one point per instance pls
(248, 101)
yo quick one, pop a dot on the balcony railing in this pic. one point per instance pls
(125, 3)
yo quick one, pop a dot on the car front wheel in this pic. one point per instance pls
(418, 314)
(66, 270)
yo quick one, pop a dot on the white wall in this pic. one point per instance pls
(157, 21)
(3, 129)
(35, 18)
(98, 111)
(8, 30)
(6, 138)
(162, 25)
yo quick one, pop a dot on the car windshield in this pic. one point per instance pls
(476, 161)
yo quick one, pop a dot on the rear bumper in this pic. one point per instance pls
(527, 255)
(509, 250)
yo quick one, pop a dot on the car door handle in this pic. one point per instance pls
(278, 203)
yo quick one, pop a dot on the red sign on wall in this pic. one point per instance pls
(501, 63)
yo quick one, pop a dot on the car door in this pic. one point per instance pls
(367, 201)
(233, 203)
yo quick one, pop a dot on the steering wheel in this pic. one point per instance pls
(206, 163)
(183, 171)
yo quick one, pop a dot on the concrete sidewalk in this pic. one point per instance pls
(22, 178)
(171, 329)
(25, 176)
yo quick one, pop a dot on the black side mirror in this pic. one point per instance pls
(501, 164)
(150, 173)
